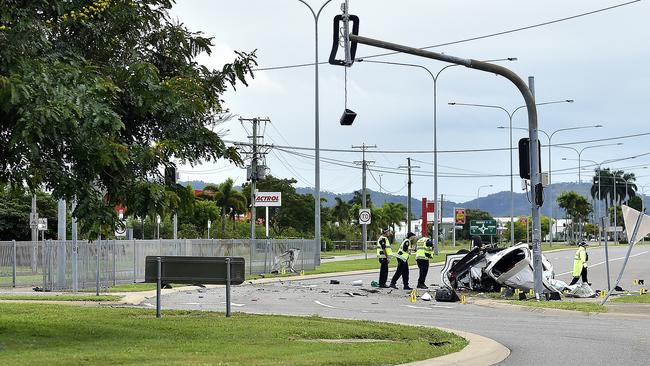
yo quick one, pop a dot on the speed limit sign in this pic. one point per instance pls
(364, 216)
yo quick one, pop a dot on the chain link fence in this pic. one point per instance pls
(65, 265)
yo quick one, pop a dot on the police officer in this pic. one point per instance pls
(402, 256)
(384, 251)
(580, 264)
(423, 253)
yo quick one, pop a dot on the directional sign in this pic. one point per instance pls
(459, 216)
(42, 224)
(482, 227)
(364, 216)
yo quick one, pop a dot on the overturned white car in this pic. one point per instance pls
(490, 268)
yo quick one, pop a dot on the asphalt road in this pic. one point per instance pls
(535, 337)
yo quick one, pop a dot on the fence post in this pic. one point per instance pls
(99, 244)
(250, 259)
(114, 255)
(51, 267)
(135, 255)
(13, 263)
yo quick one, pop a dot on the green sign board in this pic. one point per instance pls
(482, 227)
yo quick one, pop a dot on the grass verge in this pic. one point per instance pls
(61, 297)
(587, 307)
(36, 334)
(633, 299)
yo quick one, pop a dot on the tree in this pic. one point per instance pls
(394, 213)
(341, 211)
(577, 208)
(230, 200)
(97, 96)
(357, 198)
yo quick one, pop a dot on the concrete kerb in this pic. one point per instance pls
(480, 351)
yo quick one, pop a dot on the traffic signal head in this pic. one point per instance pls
(348, 117)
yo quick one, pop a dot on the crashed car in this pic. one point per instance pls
(488, 268)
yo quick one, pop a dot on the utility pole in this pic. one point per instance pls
(537, 227)
(364, 165)
(257, 168)
(408, 200)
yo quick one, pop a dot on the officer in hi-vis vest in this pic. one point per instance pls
(384, 252)
(423, 253)
(402, 256)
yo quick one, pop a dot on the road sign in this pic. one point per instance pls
(268, 199)
(120, 231)
(42, 224)
(33, 220)
(482, 227)
(365, 218)
(618, 229)
(459, 216)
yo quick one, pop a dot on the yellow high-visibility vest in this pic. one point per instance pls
(424, 249)
(380, 251)
(403, 250)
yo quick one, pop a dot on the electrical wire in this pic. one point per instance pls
(384, 190)
(439, 151)
(490, 35)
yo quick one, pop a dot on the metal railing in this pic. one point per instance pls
(64, 265)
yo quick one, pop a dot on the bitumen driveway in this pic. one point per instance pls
(534, 336)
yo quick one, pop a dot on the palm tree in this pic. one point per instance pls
(229, 199)
(341, 210)
(394, 213)
(357, 197)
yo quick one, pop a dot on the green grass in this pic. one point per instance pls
(633, 299)
(587, 307)
(34, 334)
(61, 297)
(338, 253)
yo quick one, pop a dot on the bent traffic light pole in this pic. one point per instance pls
(535, 174)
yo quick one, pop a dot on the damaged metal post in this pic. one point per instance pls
(535, 175)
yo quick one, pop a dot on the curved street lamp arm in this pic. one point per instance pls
(482, 106)
(311, 9)
(574, 128)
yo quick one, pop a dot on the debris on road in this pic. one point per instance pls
(374, 284)
(370, 290)
(334, 282)
(357, 283)
(426, 297)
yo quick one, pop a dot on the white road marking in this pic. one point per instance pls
(192, 303)
(611, 260)
(325, 305)
(428, 307)
(234, 304)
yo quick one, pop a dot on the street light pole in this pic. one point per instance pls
(510, 116)
(317, 231)
(478, 194)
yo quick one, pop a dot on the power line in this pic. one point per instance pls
(490, 35)
(440, 151)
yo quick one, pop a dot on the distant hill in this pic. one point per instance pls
(497, 204)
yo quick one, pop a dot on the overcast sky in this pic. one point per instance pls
(599, 60)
